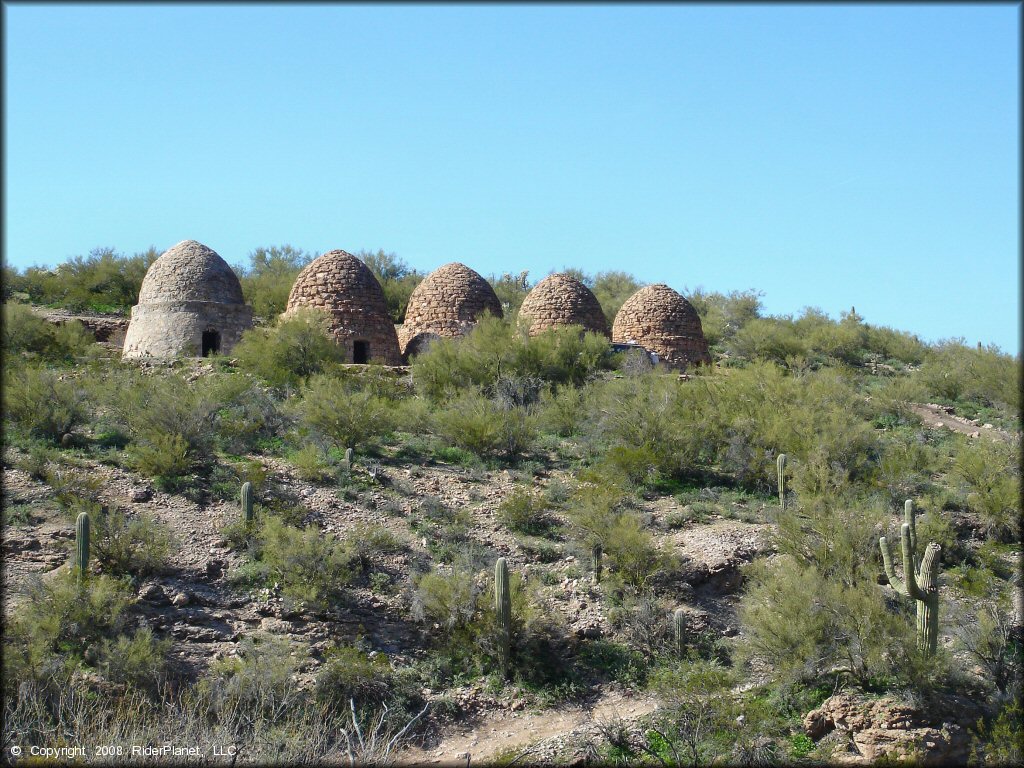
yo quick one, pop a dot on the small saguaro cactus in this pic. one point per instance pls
(503, 610)
(348, 459)
(920, 579)
(595, 556)
(247, 502)
(679, 630)
(81, 563)
(781, 464)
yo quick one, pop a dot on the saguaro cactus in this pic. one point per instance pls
(679, 630)
(781, 464)
(595, 556)
(247, 502)
(920, 579)
(82, 545)
(348, 459)
(503, 610)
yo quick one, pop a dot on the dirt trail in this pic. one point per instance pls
(501, 733)
(937, 416)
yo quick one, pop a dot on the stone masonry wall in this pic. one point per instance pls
(662, 321)
(343, 287)
(175, 329)
(448, 303)
(561, 300)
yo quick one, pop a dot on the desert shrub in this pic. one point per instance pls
(269, 276)
(139, 545)
(259, 680)
(61, 622)
(396, 278)
(312, 463)
(632, 553)
(597, 516)
(310, 566)
(171, 423)
(103, 281)
(43, 403)
(478, 424)
(612, 288)
(29, 335)
(521, 511)
(722, 315)
(805, 625)
(72, 486)
(563, 410)
(767, 339)
(989, 472)
(370, 540)
(999, 741)
(463, 607)
(495, 350)
(992, 640)
(699, 721)
(284, 355)
(956, 373)
(248, 417)
(349, 673)
(139, 660)
(346, 416)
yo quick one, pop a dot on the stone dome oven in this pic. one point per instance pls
(446, 303)
(190, 305)
(560, 300)
(661, 321)
(342, 286)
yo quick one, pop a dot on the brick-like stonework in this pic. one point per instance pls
(560, 300)
(189, 290)
(660, 320)
(446, 303)
(342, 286)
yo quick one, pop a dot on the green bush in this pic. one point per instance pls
(27, 334)
(44, 403)
(989, 472)
(310, 566)
(61, 622)
(139, 546)
(259, 680)
(956, 373)
(521, 511)
(139, 661)
(268, 279)
(284, 355)
(480, 425)
(346, 416)
(103, 281)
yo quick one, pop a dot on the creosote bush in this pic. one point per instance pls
(284, 355)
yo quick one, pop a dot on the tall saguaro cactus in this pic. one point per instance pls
(781, 465)
(247, 502)
(503, 610)
(595, 556)
(920, 579)
(679, 630)
(82, 546)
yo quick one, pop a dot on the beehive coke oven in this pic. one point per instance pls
(346, 290)
(190, 304)
(446, 304)
(662, 321)
(560, 300)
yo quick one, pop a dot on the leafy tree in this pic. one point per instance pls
(396, 278)
(268, 279)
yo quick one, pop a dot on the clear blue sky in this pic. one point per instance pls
(828, 156)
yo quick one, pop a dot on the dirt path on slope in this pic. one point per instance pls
(500, 733)
(938, 416)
